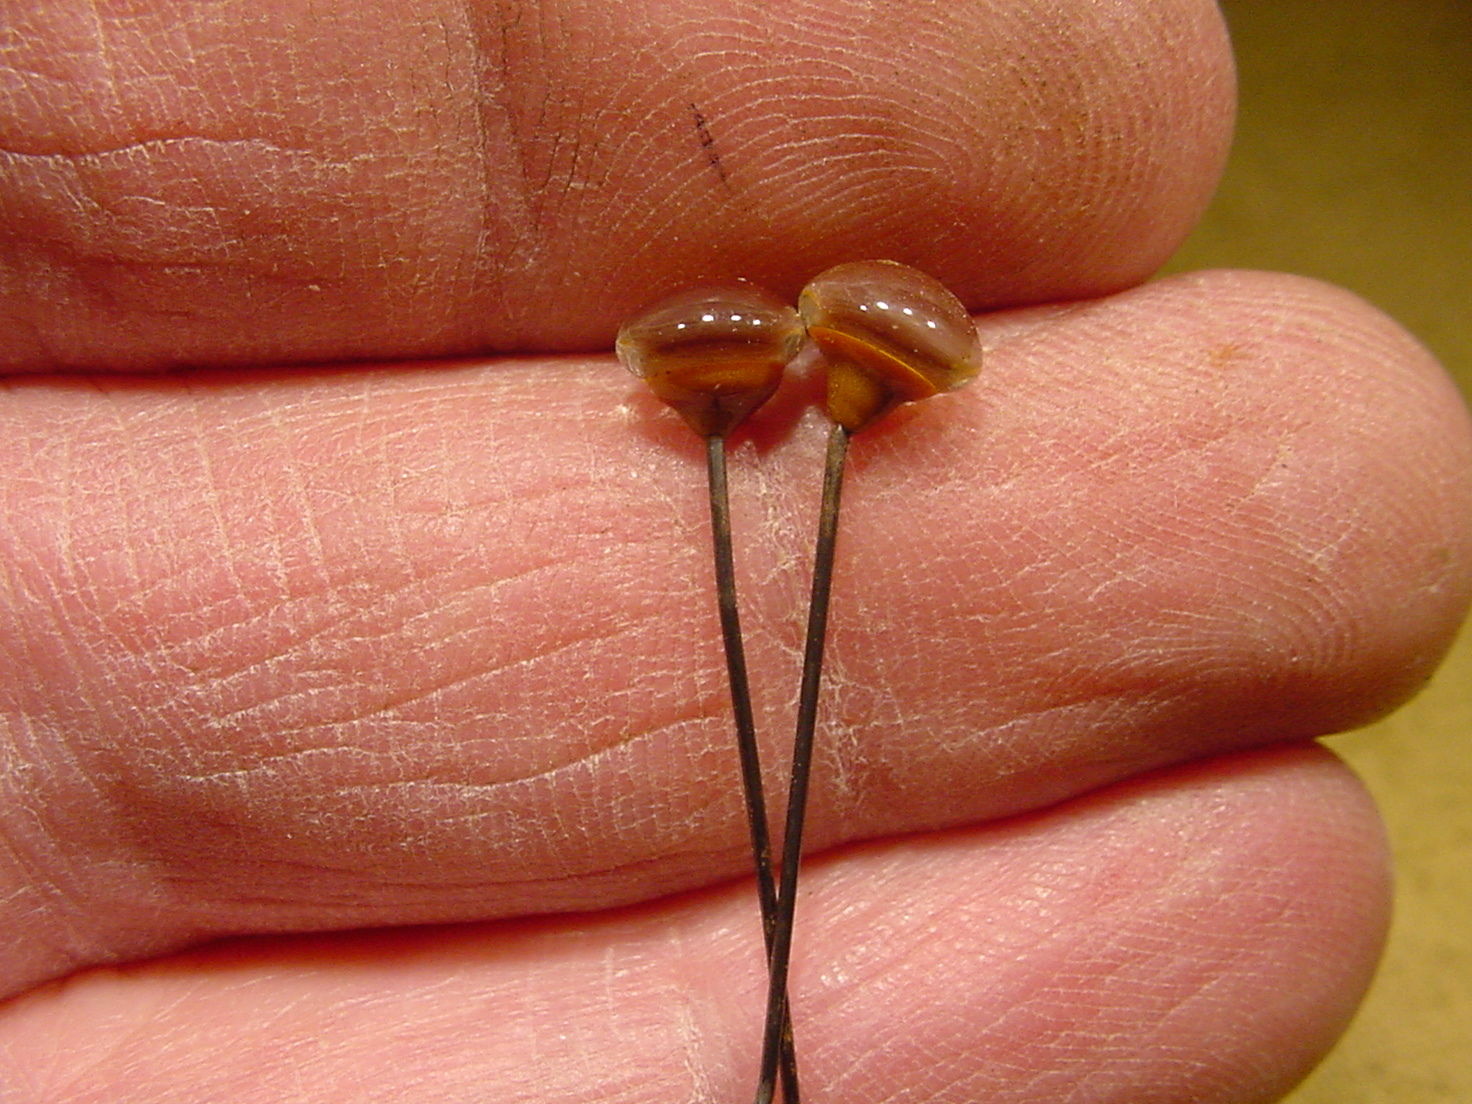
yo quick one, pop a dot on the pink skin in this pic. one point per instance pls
(289, 180)
(386, 644)
(1193, 936)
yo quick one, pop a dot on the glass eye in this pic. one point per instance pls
(890, 334)
(714, 353)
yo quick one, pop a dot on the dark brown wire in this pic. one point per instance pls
(751, 771)
(802, 761)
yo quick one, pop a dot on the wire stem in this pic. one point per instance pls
(802, 761)
(751, 771)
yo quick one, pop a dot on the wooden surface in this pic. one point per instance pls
(1354, 164)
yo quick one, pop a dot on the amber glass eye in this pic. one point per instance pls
(890, 334)
(714, 354)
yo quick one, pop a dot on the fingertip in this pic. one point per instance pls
(457, 181)
(1200, 934)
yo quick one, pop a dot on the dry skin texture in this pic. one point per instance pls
(290, 651)
(247, 182)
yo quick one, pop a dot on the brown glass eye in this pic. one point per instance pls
(890, 335)
(714, 354)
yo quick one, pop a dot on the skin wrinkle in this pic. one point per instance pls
(469, 1035)
(504, 789)
(25, 847)
(544, 772)
(586, 1039)
(79, 158)
(788, 496)
(458, 128)
(298, 649)
(425, 694)
(425, 899)
(69, 649)
(51, 903)
(166, 242)
(507, 209)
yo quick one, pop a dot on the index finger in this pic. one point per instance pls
(304, 181)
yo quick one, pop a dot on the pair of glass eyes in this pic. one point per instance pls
(888, 334)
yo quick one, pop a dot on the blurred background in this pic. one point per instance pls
(1353, 164)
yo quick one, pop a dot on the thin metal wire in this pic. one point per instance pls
(751, 771)
(802, 761)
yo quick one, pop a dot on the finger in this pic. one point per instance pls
(1202, 935)
(330, 650)
(309, 181)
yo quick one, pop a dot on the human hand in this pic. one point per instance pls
(308, 650)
